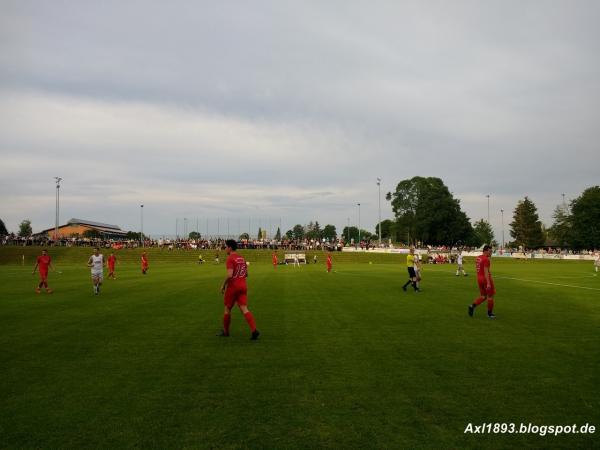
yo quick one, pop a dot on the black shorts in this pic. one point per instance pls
(411, 272)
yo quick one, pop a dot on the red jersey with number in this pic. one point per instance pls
(274, 259)
(144, 261)
(481, 262)
(240, 269)
(43, 263)
(329, 260)
(111, 261)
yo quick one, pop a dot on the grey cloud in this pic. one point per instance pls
(493, 97)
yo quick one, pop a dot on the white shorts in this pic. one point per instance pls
(99, 275)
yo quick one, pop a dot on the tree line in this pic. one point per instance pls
(426, 212)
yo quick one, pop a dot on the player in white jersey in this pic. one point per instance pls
(418, 270)
(96, 262)
(459, 265)
(597, 262)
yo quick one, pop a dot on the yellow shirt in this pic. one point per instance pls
(410, 260)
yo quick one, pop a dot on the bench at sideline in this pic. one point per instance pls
(291, 257)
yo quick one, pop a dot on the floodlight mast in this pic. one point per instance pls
(142, 225)
(379, 201)
(502, 215)
(358, 224)
(57, 218)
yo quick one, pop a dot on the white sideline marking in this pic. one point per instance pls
(547, 282)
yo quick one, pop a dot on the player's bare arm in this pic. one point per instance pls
(227, 279)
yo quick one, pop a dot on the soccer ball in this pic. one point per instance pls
(247, 263)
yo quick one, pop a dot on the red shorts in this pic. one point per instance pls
(235, 294)
(483, 290)
(43, 275)
(111, 268)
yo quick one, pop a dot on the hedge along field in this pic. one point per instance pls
(345, 360)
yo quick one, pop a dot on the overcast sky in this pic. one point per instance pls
(291, 110)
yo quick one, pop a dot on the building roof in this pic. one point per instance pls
(94, 224)
(98, 226)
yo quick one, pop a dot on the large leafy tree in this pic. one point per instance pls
(526, 228)
(25, 228)
(3, 230)
(426, 211)
(194, 235)
(585, 219)
(482, 233)
(387, 229)
(352, 232)
(298, 231)
(329, 232)
(560, 230)
(313, 231)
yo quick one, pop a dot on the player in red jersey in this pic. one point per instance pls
(112, 260)
(329, 262)
(235, 290)
(44, 262)
(485, 282)
(274, 258)
(144, 263)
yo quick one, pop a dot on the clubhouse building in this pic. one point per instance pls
(78, 228)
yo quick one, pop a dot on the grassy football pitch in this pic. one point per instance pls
(345, 360)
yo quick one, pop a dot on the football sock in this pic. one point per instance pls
(250, 319)
(490, 305)
(226, 322)
(41, 285)
(414, 284)
(479, 301)
(406, 284)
